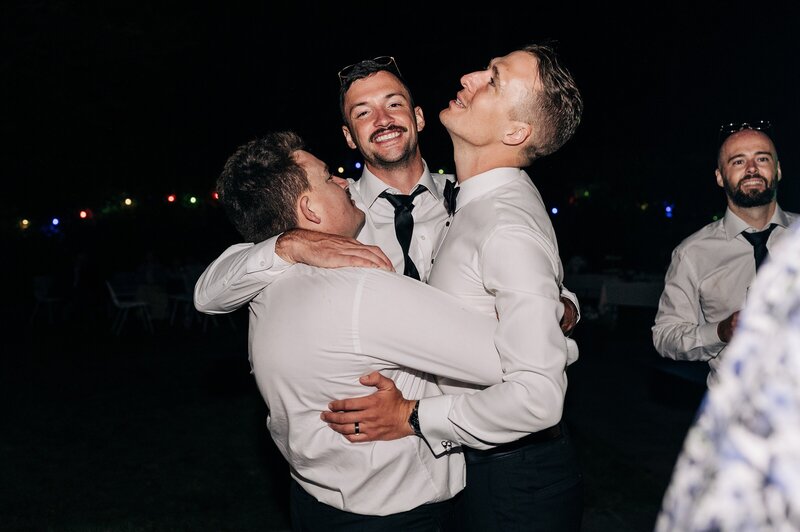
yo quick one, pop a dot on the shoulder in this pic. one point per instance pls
(701, 238)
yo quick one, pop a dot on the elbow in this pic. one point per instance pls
(202, 303)
(552, 409)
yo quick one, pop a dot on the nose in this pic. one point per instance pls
(752, 168)
(470, 81)
(340, 181)
(382, 117)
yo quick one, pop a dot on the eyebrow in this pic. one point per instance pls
(737, 155)
(493, 67)
(386, 96)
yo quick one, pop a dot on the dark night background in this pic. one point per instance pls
(144, 99)
(107, 100)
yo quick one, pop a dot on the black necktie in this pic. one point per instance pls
(759, 242)
(450, 194)
(404, 224)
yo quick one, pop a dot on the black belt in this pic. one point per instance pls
(481, 455)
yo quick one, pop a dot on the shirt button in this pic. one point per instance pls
(422, 237)
(447, 224)
(504, 370)
(262, 263)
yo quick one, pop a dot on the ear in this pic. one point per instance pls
(720, 181)
(517, 134)
(348, 138)
(306, 214)
(420, 118)
(779, 175)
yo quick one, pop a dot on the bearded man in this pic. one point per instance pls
(711, 270)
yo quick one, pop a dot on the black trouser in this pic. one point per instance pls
(310, 515)
(536, 486)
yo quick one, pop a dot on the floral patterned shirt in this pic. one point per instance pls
(740, 464)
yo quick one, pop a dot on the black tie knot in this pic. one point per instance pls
(404, 224)
(450, 194)
(759, 242)
(402, 201)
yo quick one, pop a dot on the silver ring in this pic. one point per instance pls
(358, 430)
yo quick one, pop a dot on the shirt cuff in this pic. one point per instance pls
(263, 257)
(572, 351)
(435, 424)
(710, 339)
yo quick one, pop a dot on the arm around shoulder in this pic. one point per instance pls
(237, 276)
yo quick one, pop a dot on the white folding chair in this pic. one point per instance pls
(123, 306)
(45, 298)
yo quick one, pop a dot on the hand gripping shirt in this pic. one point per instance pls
(316, 331)
(500, 257)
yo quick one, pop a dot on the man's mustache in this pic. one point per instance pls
(386, 130)
(754, 176)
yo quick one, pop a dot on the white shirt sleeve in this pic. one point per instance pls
(425, 329)
(237, 276)
(529, 341)
(680, 331)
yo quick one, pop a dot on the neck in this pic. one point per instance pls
(757, 217)
(473, 160)
(403, 176)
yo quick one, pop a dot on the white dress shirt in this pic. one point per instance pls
(707, 281)
(500, 257)
(316, 331)
(243, 270)
(739, 468)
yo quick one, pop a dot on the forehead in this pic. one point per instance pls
(381, 84)
(748, 140)
(308, 162)
(518, 66)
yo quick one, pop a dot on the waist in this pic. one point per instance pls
(472, 456)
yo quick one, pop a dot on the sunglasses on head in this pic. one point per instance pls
(726, 130)
(385, 61)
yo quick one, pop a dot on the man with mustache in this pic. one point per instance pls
(524, 106)
(315, 331)
(382, 121)
(500, 257)
(711, 270)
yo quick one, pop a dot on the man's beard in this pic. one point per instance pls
(752, 198)
(379, 162)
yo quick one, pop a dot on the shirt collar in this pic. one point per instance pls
(478, 185)
(734, 225)
(371, 185)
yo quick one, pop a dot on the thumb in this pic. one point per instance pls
(373, 379)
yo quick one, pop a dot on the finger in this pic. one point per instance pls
(383, 383)
(372, 255)
(337, 418)
(371, 379)
(382, 257)
(341, 418)
(348, 431)
(361, 438)
(345, 429)
(353, 404)
(354, 257)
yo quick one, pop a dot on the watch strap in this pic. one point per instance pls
(413, 420)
